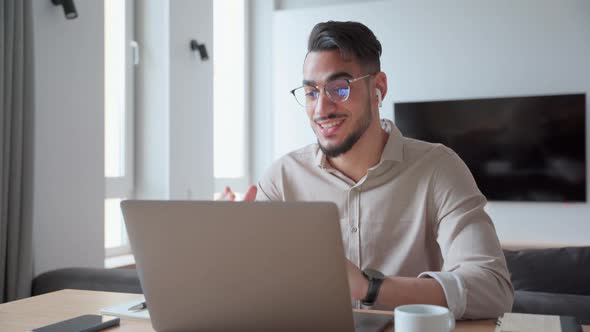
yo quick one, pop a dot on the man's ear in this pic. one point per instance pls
(381, 87)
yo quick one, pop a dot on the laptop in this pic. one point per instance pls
(242, 266)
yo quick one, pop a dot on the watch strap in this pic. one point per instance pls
(373, 290)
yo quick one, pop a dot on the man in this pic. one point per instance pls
(412, 218)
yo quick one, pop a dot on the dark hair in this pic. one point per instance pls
(354, 41)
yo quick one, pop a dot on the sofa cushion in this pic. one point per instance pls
(554, 270)
(553, 304)
(108, 280)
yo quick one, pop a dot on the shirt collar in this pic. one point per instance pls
(320, 158)
(393, 150)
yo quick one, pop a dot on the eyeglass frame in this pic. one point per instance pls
(323, 87)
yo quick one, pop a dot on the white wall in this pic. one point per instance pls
(260, 90)
(152, 120)
(294, 4)
(174, 122)
(68, 170)
(467, 49)
(191, 100)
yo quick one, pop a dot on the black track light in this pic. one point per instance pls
(68, 6)
(195, 46)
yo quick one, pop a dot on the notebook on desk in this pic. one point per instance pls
(515, 322)
(122, 310)
(243, 266)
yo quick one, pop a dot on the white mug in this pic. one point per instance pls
(423, 318)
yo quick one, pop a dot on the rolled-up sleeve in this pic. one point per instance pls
(474, 275)
(454, 289)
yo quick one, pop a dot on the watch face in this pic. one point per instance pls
(373, 274)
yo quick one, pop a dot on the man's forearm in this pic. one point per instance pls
(396, 291)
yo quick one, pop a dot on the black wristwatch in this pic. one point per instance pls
(375, 279)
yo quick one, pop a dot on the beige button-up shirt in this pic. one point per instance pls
(417, 213)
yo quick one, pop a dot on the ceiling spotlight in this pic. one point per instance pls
(68, 6)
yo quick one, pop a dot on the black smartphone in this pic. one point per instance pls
(85, 323)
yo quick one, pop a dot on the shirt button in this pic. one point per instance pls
(354, 229)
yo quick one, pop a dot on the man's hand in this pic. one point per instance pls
(229, 195)
(357, 282)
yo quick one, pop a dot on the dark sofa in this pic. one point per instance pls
(553, 281)
(107, 280)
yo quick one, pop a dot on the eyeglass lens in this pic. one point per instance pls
(337, 91)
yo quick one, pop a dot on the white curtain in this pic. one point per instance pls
(16, 124)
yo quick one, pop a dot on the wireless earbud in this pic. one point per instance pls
(379, 97)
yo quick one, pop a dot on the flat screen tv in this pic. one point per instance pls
(519, 148)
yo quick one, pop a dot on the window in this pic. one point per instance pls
(229, 98)
(118, 121)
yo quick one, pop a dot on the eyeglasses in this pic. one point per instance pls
(337, 90)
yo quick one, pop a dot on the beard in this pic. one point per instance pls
(363, 124)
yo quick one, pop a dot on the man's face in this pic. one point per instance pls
(337, 125)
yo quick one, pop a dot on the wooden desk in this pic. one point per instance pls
(46, 309)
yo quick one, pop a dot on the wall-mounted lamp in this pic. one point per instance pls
(68, 6)
(195, 46)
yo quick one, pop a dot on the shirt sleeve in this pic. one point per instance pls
(454, 289)
(269, 184)
(474, 275)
